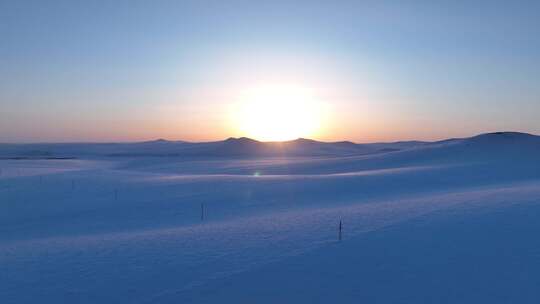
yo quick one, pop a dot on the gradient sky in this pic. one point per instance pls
(388, 70)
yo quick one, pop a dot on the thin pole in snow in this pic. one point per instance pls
(202, 212)
(340, 230)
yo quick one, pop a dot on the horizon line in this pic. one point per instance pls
(261, 141)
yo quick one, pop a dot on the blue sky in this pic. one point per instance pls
(389, 70)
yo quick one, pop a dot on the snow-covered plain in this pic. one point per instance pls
(454, 221)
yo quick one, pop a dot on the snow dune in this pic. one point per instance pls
(115, 224)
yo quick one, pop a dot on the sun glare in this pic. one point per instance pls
(277, 113)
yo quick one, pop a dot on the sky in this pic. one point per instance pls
(375, 70)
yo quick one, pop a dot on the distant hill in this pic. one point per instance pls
(497, 142)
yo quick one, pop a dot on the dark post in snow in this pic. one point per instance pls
(340, 229)
(202, 212)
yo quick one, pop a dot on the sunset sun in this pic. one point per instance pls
(277, 113)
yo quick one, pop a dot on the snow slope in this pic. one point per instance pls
(444, 222)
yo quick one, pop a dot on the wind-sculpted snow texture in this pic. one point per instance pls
(240, 221)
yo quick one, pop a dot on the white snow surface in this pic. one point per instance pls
(453, 221)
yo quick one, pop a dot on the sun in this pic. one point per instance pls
(278, 113)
